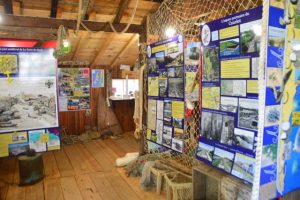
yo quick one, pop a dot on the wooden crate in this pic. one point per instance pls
(233, 188)
(206, 183)
(213, 184)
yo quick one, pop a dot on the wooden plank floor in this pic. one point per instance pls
(79, 171)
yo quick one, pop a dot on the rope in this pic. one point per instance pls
(130, 21)
(110, 23)
(261, 101)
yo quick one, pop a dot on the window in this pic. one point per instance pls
(119, 86)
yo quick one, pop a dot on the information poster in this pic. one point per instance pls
(166, 92)
(281, 150)
(28, 97)
(229, 85)
(97, 78)
(74, 89)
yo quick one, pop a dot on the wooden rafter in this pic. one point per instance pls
(54, 23)
(89, 9)
(121, 9)
(53, 12)
(124, 49)
(8, 7)
(103, 47)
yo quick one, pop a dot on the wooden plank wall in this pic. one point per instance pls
(77, 122)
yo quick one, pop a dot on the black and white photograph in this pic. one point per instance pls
(167, 136)
(176, 87)
(152, 67)
(167, 140)
(229, 104)
(175, 72)
(205, 151)
(177, 145)
(28, 103)
(227, 130)
(223, 159)
(217, 123)
(168, 130)
(168, 112)
(248, 114)
(177, 123)
(243, 138)
(206, 125)
(163, 87)
(234, 88)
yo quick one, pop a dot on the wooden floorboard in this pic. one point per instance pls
(70, 188)
(63, 163)
(52, 189)
(50, 165)
(78, 172)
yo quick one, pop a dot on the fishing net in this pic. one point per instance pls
(185, 16)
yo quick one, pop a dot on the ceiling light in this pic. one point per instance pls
(170, 32)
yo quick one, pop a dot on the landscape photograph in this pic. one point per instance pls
(211, 65)
(223, 159)
(250, 37)
(230, 47)
(205, 151)
(23, 108)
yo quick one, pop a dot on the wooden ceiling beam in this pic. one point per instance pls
(89, 9)
(103, 47)
(54, 23)
(121, 9)
(8, 7)
(124, 49)
(54, 5)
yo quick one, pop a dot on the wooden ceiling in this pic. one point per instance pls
(40, 19)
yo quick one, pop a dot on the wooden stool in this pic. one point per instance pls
(31, 169)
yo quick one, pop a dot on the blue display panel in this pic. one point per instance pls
(168, 81)
(229, 100)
